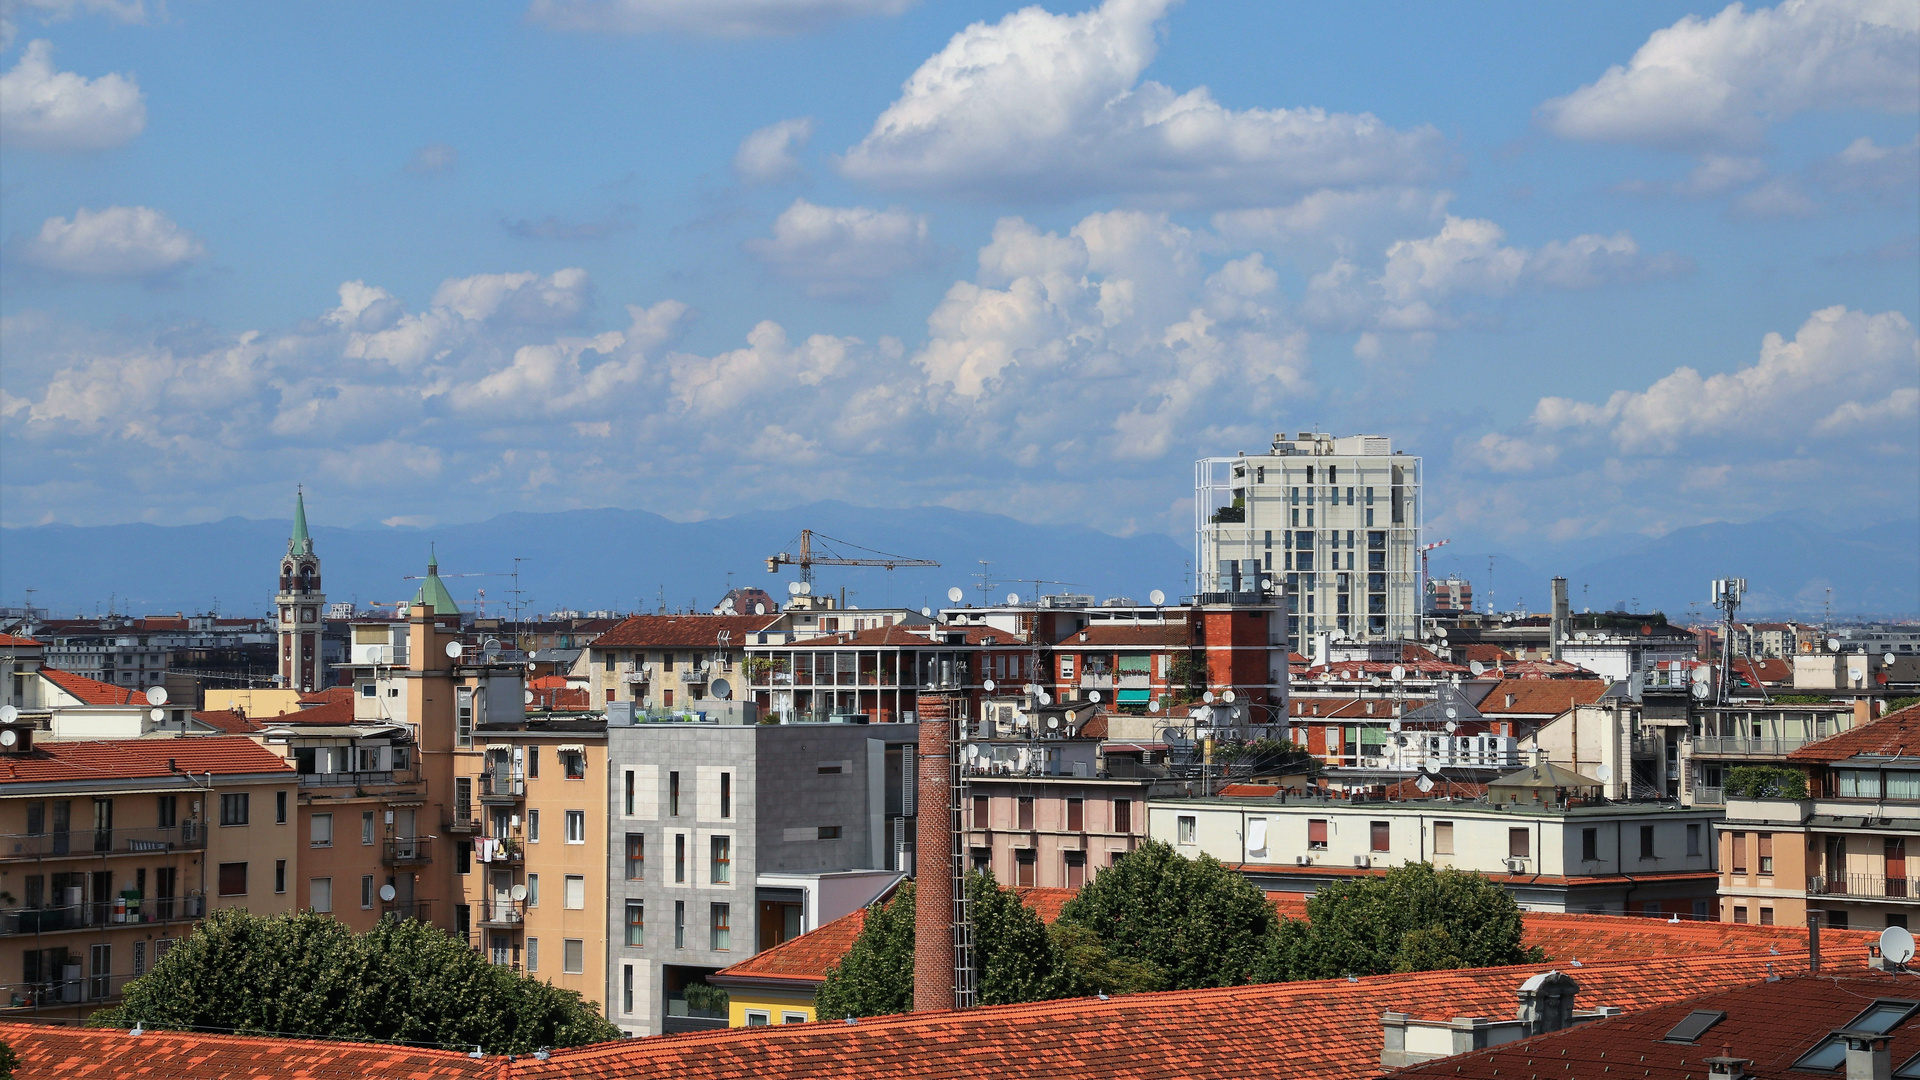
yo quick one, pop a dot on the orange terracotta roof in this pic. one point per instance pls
(1486, 654)
(682, 631)
(1768, 670)
(1540, 697)
(336, 713)
(230, 721)
(123, 759)
(328, 696)
(93, 691)
(1168, 636)
(1896, 734)
(15, 639)
(548, 682)
(86, 1053)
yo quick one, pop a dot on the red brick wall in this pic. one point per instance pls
(933, 872)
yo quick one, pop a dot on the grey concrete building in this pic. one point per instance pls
(729, 838)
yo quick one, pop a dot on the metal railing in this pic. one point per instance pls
(502, 913)
(406, 851)
(406, 909)
(83, 916)
(62, 993)
(1709, 796)
(691, 675)
(1746, 745)
(460, 819)
(1872, 886)
(88, 842)
(346, 779)
(1648, 746)
(493, 786)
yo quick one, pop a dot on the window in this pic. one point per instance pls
(279, 875)
(829, 832)
(1184, 828)
(463, 716)
(533, 763)
(982, 812)
(756, 1018)
(636, 856)
(576, 826)
(679, 924)
(1076, 868)
(1443, 838)
(726, 794)
(1766, 916)
(366, 891)
(830, 768)
(1519, 844)
(168, 814)
(574, 763)
(233, 879)
(793, 1018)
(626, 989)
(1738, 843)
(279, 808)
(574, 893)
(721, 933)
(673, 794)
(1123, 815)
(1025, 810)
(1380, 836)
(1740, 913)
(636, 923)
(366, 826)
(533, 890)
(629, 794)
(573, 955)
(533, 954)
(1646, 841)
(1025, 860)
(720, 861)
(1076, 815)
(1317, 834)
(322, 830)
(1766, 853)
(320, 892)
(233, 808)
(1590, 845)
(463, 856)
(533, 826)
(680, 857)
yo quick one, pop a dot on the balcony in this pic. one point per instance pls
(1865, 887)
(503, 914)
(406, 909)
(1645, 746)
(76, 843)
(85, 916)
(407, 851)
(65, 993)
(1746, 746)
(496, 786)
(460, 819)
(1709, 796)
(691, 675)
(346, 779)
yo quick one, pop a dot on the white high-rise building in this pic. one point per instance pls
(1332, 523)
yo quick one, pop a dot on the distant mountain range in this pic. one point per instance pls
(633, 560)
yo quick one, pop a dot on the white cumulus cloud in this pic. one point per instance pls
(844, 251)
(1716, 83)
(771, 153)
(47, 109)
(1054, 106)
(720, 18)
(117, 242)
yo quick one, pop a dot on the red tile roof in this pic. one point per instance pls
(1540, 697)
(15, 639)
(1486, 654)
(124, 759)
(1896, 734)
(231, 721)
(335, 713)
(1168, 636)
(88, 1053)
(682, 631)
(328, 696)
(1770, 1024)
(93, 691)
(1768, 670)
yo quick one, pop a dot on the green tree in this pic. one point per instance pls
(1091, 968)
(1192, 922)
(1766, 782)
(308, 974)
(9, 1061)
(875, 978)
(1415, 918)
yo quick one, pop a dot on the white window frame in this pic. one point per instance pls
(576, 835)
(575, 888)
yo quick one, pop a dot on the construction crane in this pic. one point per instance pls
(809, 558)
(1424, 548)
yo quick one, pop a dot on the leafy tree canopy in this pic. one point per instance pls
(1766, 782)
(875, 978)
(308, 974)
(1415, 918)
(1191, 922)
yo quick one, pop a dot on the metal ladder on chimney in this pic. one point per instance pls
(965, 994)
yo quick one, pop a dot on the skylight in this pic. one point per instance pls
(1877, 1019)
(1695, 1025)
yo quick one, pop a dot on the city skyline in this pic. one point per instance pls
(1609, 271)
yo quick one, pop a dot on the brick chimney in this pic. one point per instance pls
(933, 858)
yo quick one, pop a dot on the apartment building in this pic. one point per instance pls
(109, 851)
(1052, 832)
(728, 838)
(877, 673)
(1331, 524)
(665, 662)
(1842, 850)
(1720, 739)
(1542, 833)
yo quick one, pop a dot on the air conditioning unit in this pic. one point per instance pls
(1363, 862)
(1303, 860)
(1516, 866)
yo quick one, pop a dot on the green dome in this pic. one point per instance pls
(433, 592)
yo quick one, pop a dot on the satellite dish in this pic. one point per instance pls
(1013, 599)
(954, 594)
(721, 689)
(1477, 667)
(1432, 765)
(1153, 706)
(927, 612)
(973, 751)
(806, 588)
(1227, 696)
(1399, 673)
(1452, 712)
(1833, 644)
(1702, 674)
(987, 686)
(1440, 631)
(1393, 725)
(1156, 598)
(387, 893)
(157, 695)
(529, 697)
(1887, 659)
(759, 609)
(1896, 944)
(517, 893)
(1093, 696)
(793, 588)
(491, 649)
(1207, 697)
(1701, 690)
(1603, 773)
(1423, 783)
(1053, 722)
(454, 649)
(726, 606)
(157, 715)
(1451, 727)
(1046, 698)
(1266, 583)
(8, 738)
(1203, 715)
(8, 714)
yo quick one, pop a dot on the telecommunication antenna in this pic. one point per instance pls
(1727, 594)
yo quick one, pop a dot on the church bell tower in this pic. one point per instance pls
(298, 607)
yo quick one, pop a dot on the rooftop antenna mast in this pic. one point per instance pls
(1727, 594)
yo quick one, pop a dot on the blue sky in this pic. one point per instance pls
(1614, 269)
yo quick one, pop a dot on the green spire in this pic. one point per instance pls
(300, 543)
(433, 592)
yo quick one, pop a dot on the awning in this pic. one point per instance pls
(1132, 697)
(574, 747)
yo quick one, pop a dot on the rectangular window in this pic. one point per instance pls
(320, 892)
(679, 924)
(1025, 810)
(1123, 815)
(1443, 838)
(1316, 834)
(279, 875)
(726, 794)
(533, 954)
(1590, 845)
(720, 860)
(756, 1018)
(629, 794)
(576, 826)
(233, 879)
(279, 808)
(1646, 841)
(139, 958)
(636, 856)
(830, 768)
(321, 830)
(636, 924)
(463, 716)
(233, 808)
(366, 891)
(463, 856)
(1766, 853)
(829, 832)
(533, 762)
(722, 930)
(982, 813)
(1380, 836)
(533, 826)
(1738, 843)
(673, 794)
(573, 956)
(533, 890)
(1740, 913)
(1693, 839)
(1519, 844)
(1076, 815)
(168, 813)
(626, 989)
(1025, 860)
(366, 826)
(1766, 916)
(574, 764)
(1076, 868)
(574, 892)
(1184, 828)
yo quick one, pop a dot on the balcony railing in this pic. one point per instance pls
(346, 779)
(89, 842)
(62, 993)
(407, 851)
(499, 914)
(406, 909)
(1648, 746)
(1709, 796)
(460, 819)
(691, 674)
(496, 786)
(1746, 745)
(51, 920)
(1869, 886)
